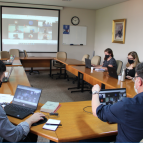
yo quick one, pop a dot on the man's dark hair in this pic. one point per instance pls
(2, 67)
(139, 70)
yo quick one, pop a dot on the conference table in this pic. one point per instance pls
(103, 78)
(76, 124)
(97, 77)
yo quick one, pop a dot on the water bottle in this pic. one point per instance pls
(11, 58)
(123, 75)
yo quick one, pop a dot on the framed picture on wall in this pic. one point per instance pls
(118, 31)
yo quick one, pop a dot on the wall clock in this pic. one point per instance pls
(75, 20)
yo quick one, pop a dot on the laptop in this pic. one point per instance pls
(88, 63)
(111, 96)
(6, 79)
(112, 72)
(10, 62)
(24, 103)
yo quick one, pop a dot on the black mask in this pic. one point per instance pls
(107, 56)
(130, 61)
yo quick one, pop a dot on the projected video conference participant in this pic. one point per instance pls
(17, 29)
(45, 37)
(128, 112)
(16, 36)
(12, 133)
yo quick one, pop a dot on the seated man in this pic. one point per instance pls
(10, 132)
(128, 113)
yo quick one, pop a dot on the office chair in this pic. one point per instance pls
(59, 65)
(119, 66)
(14, 52)
(31, 71)
(86, 56)
(5, 54)
(96, 60)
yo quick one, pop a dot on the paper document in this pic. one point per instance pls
(51, 127)
(99, 69)
(7, 98)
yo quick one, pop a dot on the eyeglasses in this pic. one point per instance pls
(135, 78)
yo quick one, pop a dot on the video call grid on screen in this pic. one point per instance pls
(33, 30)
(108, 97)
(27, 96)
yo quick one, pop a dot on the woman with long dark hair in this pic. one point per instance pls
(109, 61)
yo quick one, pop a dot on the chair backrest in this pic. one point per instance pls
(96, 60)
(61, 55)
(14, 52)
(25, 53)
(119, 66)
(5, 54)
(85, 57)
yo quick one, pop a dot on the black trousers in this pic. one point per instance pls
(29, 138)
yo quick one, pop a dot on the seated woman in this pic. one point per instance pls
(133, 60)
(109, 61)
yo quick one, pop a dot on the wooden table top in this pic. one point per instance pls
(51, 135)
(18, 76)
(70, 61)
(76, 124)
(107, 80)
(36, 58)
(79, 125)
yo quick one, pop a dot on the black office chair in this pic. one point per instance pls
(31, 71)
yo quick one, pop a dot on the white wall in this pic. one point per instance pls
(131, 10)
(87, 18)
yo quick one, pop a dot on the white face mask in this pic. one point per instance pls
(135, 89)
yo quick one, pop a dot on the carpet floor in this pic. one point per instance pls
(55, 90)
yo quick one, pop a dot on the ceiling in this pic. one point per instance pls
(86, 4)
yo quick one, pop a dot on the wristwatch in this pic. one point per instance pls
(95, 92)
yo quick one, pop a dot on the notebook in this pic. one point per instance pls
(51, 127)
(49, 106)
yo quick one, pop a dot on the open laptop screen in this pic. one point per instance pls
(27, 96)
(111, 96)
(87, 63)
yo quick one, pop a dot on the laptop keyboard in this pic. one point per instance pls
(17, 108)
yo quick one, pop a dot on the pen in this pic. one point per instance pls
(54, 124)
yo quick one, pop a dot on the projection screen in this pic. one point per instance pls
(33, 30)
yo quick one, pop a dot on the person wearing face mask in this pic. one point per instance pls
(133, 60)
(127, 113)
(109, 61)
(10, 132)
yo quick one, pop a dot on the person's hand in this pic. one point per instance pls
(129, 77)
(96, 88)
(35, 118)
(93, 65)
